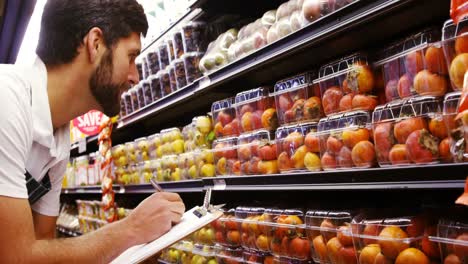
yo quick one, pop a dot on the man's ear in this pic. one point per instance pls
(94, 44)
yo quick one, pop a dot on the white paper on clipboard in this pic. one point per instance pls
(189, 224)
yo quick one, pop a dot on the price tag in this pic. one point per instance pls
(219, 184)
(82, 145)
(79, 190)
(122, 189)
(204, 82)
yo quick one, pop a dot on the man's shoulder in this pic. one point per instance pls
(16, 78)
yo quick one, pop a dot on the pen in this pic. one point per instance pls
(156, 185)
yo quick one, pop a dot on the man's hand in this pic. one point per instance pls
(155, 216)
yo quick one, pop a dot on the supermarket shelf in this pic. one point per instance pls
(445, 176)
(91, 145)
(68, 232)
(179, 187)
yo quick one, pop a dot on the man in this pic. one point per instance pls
(86, 60)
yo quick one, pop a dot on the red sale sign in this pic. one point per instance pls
(89, 123)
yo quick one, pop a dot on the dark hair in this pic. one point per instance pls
(65, 23)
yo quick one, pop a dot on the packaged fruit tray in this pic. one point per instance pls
(313, 10)
(298, 147)
(257, 257)
(225, 120)
(452, 238)
(329, 233)
(346, 141)
(458, 150)
(455, 44)
(415, 66)
(216, 53)
(286, 234)
(390, 240)
(410, 131)
(225, 154)
(256, 153)
(348, 84)
(186, 164)
(227, 230)
(204, 160)
(298, 99)
(285, 260)
(226, 255)
(256, 110)
(248, 218)
(205, 235)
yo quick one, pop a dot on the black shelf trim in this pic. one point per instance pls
(179, 187)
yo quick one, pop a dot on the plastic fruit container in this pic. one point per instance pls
(203, 131)
(141, 94)
(415, 66)
(186, 163)
(191, 63)
(256, 110)
(205, 235)
(267, 152)
(180, 76)
(285, 260)
(391, 240)
(155, 86)
(248, 225)
(189, 132)
(142, 146)
(225, 153)
(131, 152)
(152, 60)
(128, 102)
(452, 238)
(228, 232)
(123, 108)
(224, 118)
(146, 72)
(347, 84)
(255, 257)
(172, 141)
(298, 147)
(286, 232)
(248, 151)
(346, 142)
(163, 55)
(146, 89)
(216, 53)
(165, 83)
(326, 229)
(457, 144)
(154, 142)
(134, 94)
(170, 169)
(204, 254)
(313, 9)
(172, 76)
(170, 49)
(456, 51)
(298, 99)
(139, 66)
(144, 171)
(409, 132)
(226, 255)
(178, 44)
(193, 36)
(204, 160)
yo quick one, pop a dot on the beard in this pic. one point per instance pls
(104, 90)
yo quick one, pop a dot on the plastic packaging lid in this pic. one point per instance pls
(451, 30)
(152, 77)
(451, 101)
(408, 45)
(334, 216)
(204, 250)
(296, 82)
(192, 54)
(353, 119)
(222, 104)
(420, 106)
(231, 142)
(251, 95)
(387, 112)
(269, 18)
(341, 66)
(302, 128)
(278, 212)
(193, 24)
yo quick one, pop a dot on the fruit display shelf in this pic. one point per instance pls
(299, 51)
(68, 232)
(179, 187)
(437, 176)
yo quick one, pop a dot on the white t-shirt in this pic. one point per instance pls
(27, 139)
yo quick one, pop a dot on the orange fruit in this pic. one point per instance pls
(392, 243)
(412, 256)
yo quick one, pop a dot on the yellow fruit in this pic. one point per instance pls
(178, 146)
(312, 161)
(207, 170)
(203, 124)
(192, 172)
(175, 176)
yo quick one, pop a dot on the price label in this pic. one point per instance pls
(79, 190)
(204, 82)
(82, 145)
(219, 184)
(122, 189)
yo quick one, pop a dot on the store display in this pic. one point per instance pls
(141, 94)
(178, 44)
(191, 63)
(298, 99)
(165, 82)
(227, 230)
(134, 95)
(225, 153)
(194, 37)
(256, 110)
(455, 50)
(172, 76)
(152, 59)
(250, 231)
(217, 52)
(252, 161)
(452, 237)
(163, 55)
(127, 96)
(346, 142)
(225, 120)
(170, 49)
(348, 84)
(180, 74)
(155, 87)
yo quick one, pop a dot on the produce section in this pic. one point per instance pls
(294, 108)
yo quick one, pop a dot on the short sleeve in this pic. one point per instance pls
(15, 133)
(49, 204)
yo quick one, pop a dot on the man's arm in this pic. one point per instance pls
(19, 243)
(44, 226)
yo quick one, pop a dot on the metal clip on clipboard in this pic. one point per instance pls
(201, 211)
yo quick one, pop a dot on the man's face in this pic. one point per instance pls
(115, 73)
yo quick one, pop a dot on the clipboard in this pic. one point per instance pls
(191, 221)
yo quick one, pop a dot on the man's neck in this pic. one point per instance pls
(68, 93)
